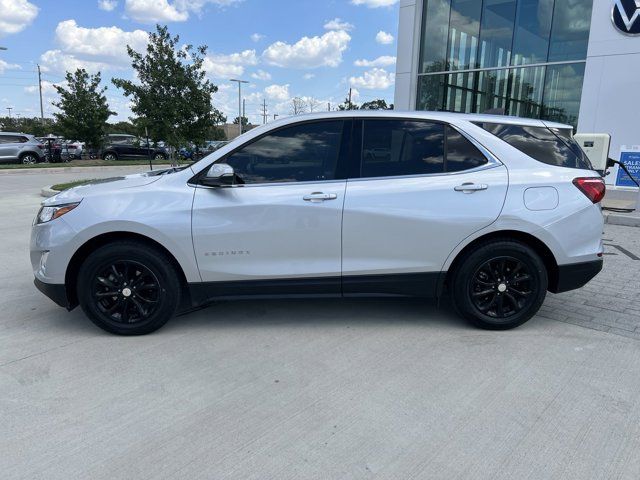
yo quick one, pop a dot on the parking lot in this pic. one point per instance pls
(324, 389)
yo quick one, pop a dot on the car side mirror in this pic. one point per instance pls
(219, 175)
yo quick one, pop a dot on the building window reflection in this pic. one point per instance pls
(504, 56)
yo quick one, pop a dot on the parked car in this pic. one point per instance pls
(55, 149)
(20, 147)
(129, 147)
(74, 149)
(492, 211)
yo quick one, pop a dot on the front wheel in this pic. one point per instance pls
(110, 157)
(499, 285)
(159, 157)
(127, 288)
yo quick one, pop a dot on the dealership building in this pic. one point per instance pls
(571, 61)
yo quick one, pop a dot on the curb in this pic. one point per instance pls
(36, 171)
(622, 219)
(48, 192)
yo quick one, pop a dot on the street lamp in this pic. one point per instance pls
(240, 82)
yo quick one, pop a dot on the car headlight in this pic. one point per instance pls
(46, 214)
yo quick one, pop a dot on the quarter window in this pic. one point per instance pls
(399, 147)
(301, 153)
(461, 153)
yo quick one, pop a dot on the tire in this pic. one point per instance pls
(110, 156)
(499, 285)
(29, 158)
(159, 157)
(145, 286)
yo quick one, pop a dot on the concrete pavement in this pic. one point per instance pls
(317, 389)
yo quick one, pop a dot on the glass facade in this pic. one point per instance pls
(516, 57)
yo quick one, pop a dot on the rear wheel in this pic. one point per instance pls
(128, 289)
(160, 157)
(110, 156)
(499, 285)
(29, 159)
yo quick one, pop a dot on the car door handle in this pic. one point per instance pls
(316, 197)
(471, 187)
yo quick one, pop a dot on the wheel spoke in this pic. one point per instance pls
(107, 282)
(139, 307)
(483, 293)
(514, 272)
(124, 316)
(521, 278)
(107, 294)
(513, 301)
(519, 292)
(500, 306)
(485, 308)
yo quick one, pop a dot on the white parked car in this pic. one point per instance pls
(492, 211)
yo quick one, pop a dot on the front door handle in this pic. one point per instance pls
(471, 187)
(317, 197)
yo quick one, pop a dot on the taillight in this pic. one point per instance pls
(593, 188)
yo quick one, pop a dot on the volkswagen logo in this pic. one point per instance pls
(626, 16)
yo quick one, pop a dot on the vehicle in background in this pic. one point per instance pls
(55, 149)
(20, 148)
(74, 149)
(492, 211)
(213, 145)
(130, 147)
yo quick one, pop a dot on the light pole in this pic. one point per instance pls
(240, 82)
(9, 108)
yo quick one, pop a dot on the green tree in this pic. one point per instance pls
(346, 105)
(245, 121)
(378, 104)
(84, 110)
(172, 96)
(124, 127)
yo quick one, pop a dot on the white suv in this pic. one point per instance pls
(493, 211)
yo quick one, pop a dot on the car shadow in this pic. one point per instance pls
(320, 311)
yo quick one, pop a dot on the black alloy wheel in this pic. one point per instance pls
(499, 284)
(129, 288)
(127, 292)
(502, 287)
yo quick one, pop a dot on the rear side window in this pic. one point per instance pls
(541, 144)
(402, 147)
(461, 153)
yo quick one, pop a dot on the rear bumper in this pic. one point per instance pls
(57, 293)
(576, 275)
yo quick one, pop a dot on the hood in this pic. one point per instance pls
(102, 186)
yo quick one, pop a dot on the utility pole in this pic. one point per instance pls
(9, 108)
(40, 87)
(240, 82)
(329, 107)
(264, 111)
(350, 104)
(275, 116)
(244, 112)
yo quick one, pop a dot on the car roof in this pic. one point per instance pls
(16, 133)
(450, 117)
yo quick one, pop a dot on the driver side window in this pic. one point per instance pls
(301, 153)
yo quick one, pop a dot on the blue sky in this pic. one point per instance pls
(313, 49)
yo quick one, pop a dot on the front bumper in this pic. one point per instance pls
(575, 275)
(57, 293)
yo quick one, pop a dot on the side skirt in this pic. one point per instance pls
(425, 285)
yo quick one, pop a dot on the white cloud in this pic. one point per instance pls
(384, 38)
(261, 75)
(279, 93)
(8, 66)
(47, 88)
(226, 66)
(256, 37)
(375, 3)
(16, 16)
(92, 48)
(308, 76)
(152, 11)
(309, 52)
(374, 79)
(338, 24)
(107, 5)
(383, 61)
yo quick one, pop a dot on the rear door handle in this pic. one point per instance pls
(317, 197)
(471, 187)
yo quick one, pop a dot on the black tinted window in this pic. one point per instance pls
(540, 143)
(461, 153)
(400, 147)
(305, 152)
